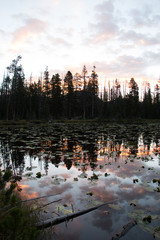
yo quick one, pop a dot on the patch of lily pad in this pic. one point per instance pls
(58, 180)
(115, 206)
(146, 221)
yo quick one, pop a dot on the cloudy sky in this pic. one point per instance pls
(120, 37)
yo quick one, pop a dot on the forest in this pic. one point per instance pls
(73, 97)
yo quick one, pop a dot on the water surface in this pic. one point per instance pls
(85, 165)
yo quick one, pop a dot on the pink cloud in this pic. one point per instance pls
(139, 38)
(59, 41)
(106, 6)
(144, 18)
(32, 28)
(122, 67)
(105, 27)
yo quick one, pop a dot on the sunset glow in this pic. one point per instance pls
(120, 37)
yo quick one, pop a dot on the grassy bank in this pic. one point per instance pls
(17, 220)
(39, 122)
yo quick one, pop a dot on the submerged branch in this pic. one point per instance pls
(122, 231)
(48, 204)
(53, 221)
(32, 199)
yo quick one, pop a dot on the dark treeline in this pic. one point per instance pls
(74, 97)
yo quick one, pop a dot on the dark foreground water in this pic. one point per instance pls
(83, 165)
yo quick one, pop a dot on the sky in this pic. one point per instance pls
(120, 37)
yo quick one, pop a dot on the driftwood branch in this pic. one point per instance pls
(32, 199)
(122, 231)
(48, 204)
(53, 221)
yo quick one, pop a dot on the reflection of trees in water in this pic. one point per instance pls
(6, 155)
(12, 158)
(56, 160)
(68, 146)
(83, 145)
(83, 149)
(46, 164)
(18, 162)
(147, 139)
(132, 139)
(68, 163)
(91, 149)
(133, 150)
(156, 139)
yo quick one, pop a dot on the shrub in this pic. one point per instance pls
(17, 221)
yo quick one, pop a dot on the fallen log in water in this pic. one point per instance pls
(48, 204)
(123, 230)
(33, 199)
(53, 221)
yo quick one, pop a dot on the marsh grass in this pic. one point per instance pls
(17, 219)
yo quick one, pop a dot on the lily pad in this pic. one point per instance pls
(141, 216)
(83, 175)
(28, 174)
(90, 193)
(93, 203)
(106, 174)
(133, 203)
(93, 177)
(64, 209)
(147, 187)
(157, 232)
(115, 206)
(75, 179)
(57, 181)
(38, 175)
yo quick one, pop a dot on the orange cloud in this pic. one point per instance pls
(26, 192)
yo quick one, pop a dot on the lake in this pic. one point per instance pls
(84, 164)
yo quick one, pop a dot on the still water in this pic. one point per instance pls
(83, 165)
